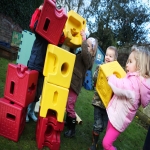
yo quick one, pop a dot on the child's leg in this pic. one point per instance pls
(146, 144)
(100, 122)
(110, 137)
(31, 106)
(72, 97)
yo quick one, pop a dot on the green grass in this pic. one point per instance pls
(132, 139)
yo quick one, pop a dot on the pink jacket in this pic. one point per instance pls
(129, 93)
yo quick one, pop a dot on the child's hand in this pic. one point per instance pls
(40, 8)
(83, 35)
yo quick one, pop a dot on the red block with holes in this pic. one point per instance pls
(48, 131)
(12, 119)
(51, 22)
(21, 83)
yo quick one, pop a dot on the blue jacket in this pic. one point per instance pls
(38, 53)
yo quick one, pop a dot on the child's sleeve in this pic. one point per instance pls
(122, 87)
(95, 74)
(34, 19)
(86, 56)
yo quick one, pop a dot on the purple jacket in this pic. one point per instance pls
(129, 93)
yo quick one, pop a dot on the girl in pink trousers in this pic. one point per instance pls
(129, 93)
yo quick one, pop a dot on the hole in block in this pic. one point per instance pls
(12, 85)
(31, 88)
(55, 97)
(49, 130)
(11, 117)
(47, 22)
(117, 74)
(64, 68)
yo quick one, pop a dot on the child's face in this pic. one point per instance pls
(110, 56)
(90, 48)
(131, 63)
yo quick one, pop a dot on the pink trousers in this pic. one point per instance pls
(110, 137)
(72, 97)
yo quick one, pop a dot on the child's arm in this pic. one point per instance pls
(86, 56)
(95, 74)
(83, 35)
(35, 18)
(124, 86)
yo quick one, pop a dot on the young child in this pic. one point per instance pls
(146, 143)
(129, 93)
(100, 114)
(36, 62)
(84, 61)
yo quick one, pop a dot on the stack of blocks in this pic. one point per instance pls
(19, 92)
(102, 86)
(57, 71)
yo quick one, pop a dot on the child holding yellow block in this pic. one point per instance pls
(100, 114)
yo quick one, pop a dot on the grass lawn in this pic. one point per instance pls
(132, 139)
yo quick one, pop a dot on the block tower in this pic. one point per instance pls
(19, 91)
(58, 73)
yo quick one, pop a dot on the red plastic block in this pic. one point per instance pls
(48, 131)
(12, 119)
(51, 22)
(21, 83)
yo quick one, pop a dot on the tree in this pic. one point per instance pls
(19, 10)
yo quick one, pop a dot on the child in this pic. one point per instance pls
(100, 114)
(84, 61)
(36, 62)
(146, 143)
(129, 93)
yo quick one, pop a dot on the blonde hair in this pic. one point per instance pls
(114, 49)
(142, 57)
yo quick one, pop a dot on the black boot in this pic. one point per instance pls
(95, 141)
(67, 120)
(71, 126)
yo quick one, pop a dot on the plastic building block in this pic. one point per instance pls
(12, 119)
(58, 66)
(55, 98)
(51, 22)
(48, 131)
(75, 23)
(88, 82)
(25, 47)
(102, 87)
(21, 83)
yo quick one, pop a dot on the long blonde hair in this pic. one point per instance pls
(142, 57)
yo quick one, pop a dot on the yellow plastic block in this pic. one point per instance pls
(102, 86)
(58, 66)
(55, 98)
(74, 24)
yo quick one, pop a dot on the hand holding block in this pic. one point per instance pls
(102, 87)
(74, 24)
(51, 22)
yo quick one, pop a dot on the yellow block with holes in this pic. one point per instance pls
(55, 98)
(102, 86)
(74, 24)
(58, 67)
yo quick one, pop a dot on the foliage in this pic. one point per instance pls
(19, 10)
